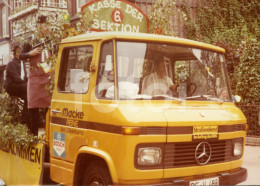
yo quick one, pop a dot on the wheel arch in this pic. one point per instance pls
(86, 154)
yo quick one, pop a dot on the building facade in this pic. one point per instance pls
(28, 11)
(4, 38)
(12, 12)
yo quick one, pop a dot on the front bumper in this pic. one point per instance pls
(232, 177)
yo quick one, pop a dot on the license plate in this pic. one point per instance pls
(209, 181)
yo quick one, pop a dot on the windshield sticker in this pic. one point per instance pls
(59, 144)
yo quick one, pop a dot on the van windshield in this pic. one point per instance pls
(167, 71)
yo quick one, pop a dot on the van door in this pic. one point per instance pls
(70, 101)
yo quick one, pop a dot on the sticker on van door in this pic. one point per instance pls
(59, 144)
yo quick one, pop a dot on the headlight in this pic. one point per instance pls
(149, 156)
(237, 148)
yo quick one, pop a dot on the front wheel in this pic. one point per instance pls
(96, 174)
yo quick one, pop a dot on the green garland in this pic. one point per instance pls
(11, 131)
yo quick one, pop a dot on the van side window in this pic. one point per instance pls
(105, 83)
(75, 69)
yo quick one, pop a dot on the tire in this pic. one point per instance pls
(96, 174)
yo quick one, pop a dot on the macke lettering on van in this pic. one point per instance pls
(72, 113)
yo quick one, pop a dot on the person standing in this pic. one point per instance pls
(16, 81)
(38, 96)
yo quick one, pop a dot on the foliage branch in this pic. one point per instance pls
(12, 132)
(233, 25)
(161, 17)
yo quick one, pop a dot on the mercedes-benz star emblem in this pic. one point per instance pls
(203, 153)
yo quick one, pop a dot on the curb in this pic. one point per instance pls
(255, 141)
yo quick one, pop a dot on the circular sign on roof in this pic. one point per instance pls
(115, 15)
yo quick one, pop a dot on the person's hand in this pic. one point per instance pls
(35, 52)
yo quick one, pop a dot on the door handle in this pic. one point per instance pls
(56, 111)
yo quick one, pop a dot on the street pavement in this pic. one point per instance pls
(252, 164)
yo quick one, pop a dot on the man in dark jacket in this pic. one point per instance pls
(38, 96)
(16, 81)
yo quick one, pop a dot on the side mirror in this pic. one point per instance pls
(236, 98)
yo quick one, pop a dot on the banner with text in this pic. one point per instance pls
(22, 166)
(115, 15)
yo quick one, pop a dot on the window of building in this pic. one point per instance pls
(4, 21)
(21, 3)
(75, 68)
(54, 3)
(80, 3)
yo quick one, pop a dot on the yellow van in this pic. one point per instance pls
(143, 109)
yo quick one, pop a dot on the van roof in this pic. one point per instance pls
(141, 37)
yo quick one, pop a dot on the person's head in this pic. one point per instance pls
(42, 24)
(16, 49)
(223, 95)
(160, 67)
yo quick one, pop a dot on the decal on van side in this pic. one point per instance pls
(59, 144)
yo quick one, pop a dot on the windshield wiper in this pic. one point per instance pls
(143, 97)
(204, 97)
(164, 97)
(197, 97)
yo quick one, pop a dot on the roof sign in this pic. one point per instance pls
(115, 15)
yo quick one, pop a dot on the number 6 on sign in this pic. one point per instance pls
(117, 16)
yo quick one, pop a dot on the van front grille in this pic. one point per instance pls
(183, 154)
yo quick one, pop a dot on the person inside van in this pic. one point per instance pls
(223, 95)
(158, 83)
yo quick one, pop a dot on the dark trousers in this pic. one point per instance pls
(20, 90)
(34, 117)
(37, 116)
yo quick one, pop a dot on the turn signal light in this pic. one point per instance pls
(131, 130)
